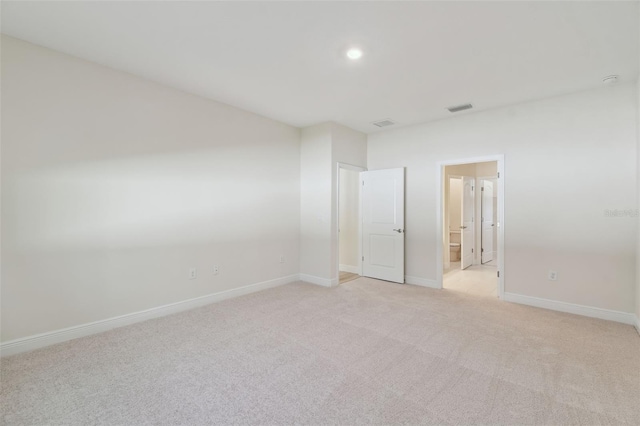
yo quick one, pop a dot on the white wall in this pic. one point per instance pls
(315, 201)
(349, 211)
(554, 217)
(113, 186)
(323, 147)
(637, 307)
(637, 310)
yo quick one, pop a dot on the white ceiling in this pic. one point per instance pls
(287, 60)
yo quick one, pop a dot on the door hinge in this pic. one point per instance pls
(362, 183)
(472, 188)
(471, 250)
(482, 189)
(481, 250)
(498, 174)
(363, 258)
(498, 274)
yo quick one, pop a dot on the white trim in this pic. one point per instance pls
(499, 158)
(572, 308)
(636, 323)
(349, 268)
(422, 282)
(58, 336)
(325, 282)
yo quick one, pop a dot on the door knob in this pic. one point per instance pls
(399, 231)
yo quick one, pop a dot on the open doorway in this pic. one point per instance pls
(470, 222)
(349, 222)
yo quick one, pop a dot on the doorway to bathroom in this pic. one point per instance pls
(470, 223)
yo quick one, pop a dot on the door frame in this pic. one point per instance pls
(499, 158)
(347, 166)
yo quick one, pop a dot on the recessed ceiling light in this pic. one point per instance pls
(354, 53)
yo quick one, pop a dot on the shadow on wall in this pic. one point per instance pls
(155, 199)
(95, 240)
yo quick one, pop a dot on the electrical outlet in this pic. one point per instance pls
(282, 258)
(553, 276)
(193, 273)
(216, 270)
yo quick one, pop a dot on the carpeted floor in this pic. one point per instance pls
(364, 352)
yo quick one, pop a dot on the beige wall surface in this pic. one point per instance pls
(637, 308)
(455, 204)
(114, 186)
(555, 204)
(348, 217)
(638, 198)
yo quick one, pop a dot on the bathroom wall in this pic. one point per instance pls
(455, 204)
(454, 217)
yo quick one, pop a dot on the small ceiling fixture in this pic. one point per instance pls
(354, 53)
(460, 107)
(384, 123)
(610, 79)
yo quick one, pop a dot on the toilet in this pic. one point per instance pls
(454, 246)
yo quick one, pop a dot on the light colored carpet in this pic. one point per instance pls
(361, 353)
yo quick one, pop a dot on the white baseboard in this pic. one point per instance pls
(349, 268)
(637, 323)
(423, 282)
(325, 282)
(587, 311)
(58, 336)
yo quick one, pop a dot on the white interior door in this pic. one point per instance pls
(466, 229)
(487, 221)
(383, 224)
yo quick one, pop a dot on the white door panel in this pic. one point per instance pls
(487, 221)
(466, 229)
(383, 224)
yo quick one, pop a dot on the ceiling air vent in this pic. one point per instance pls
(384, 123)
(460, 107)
